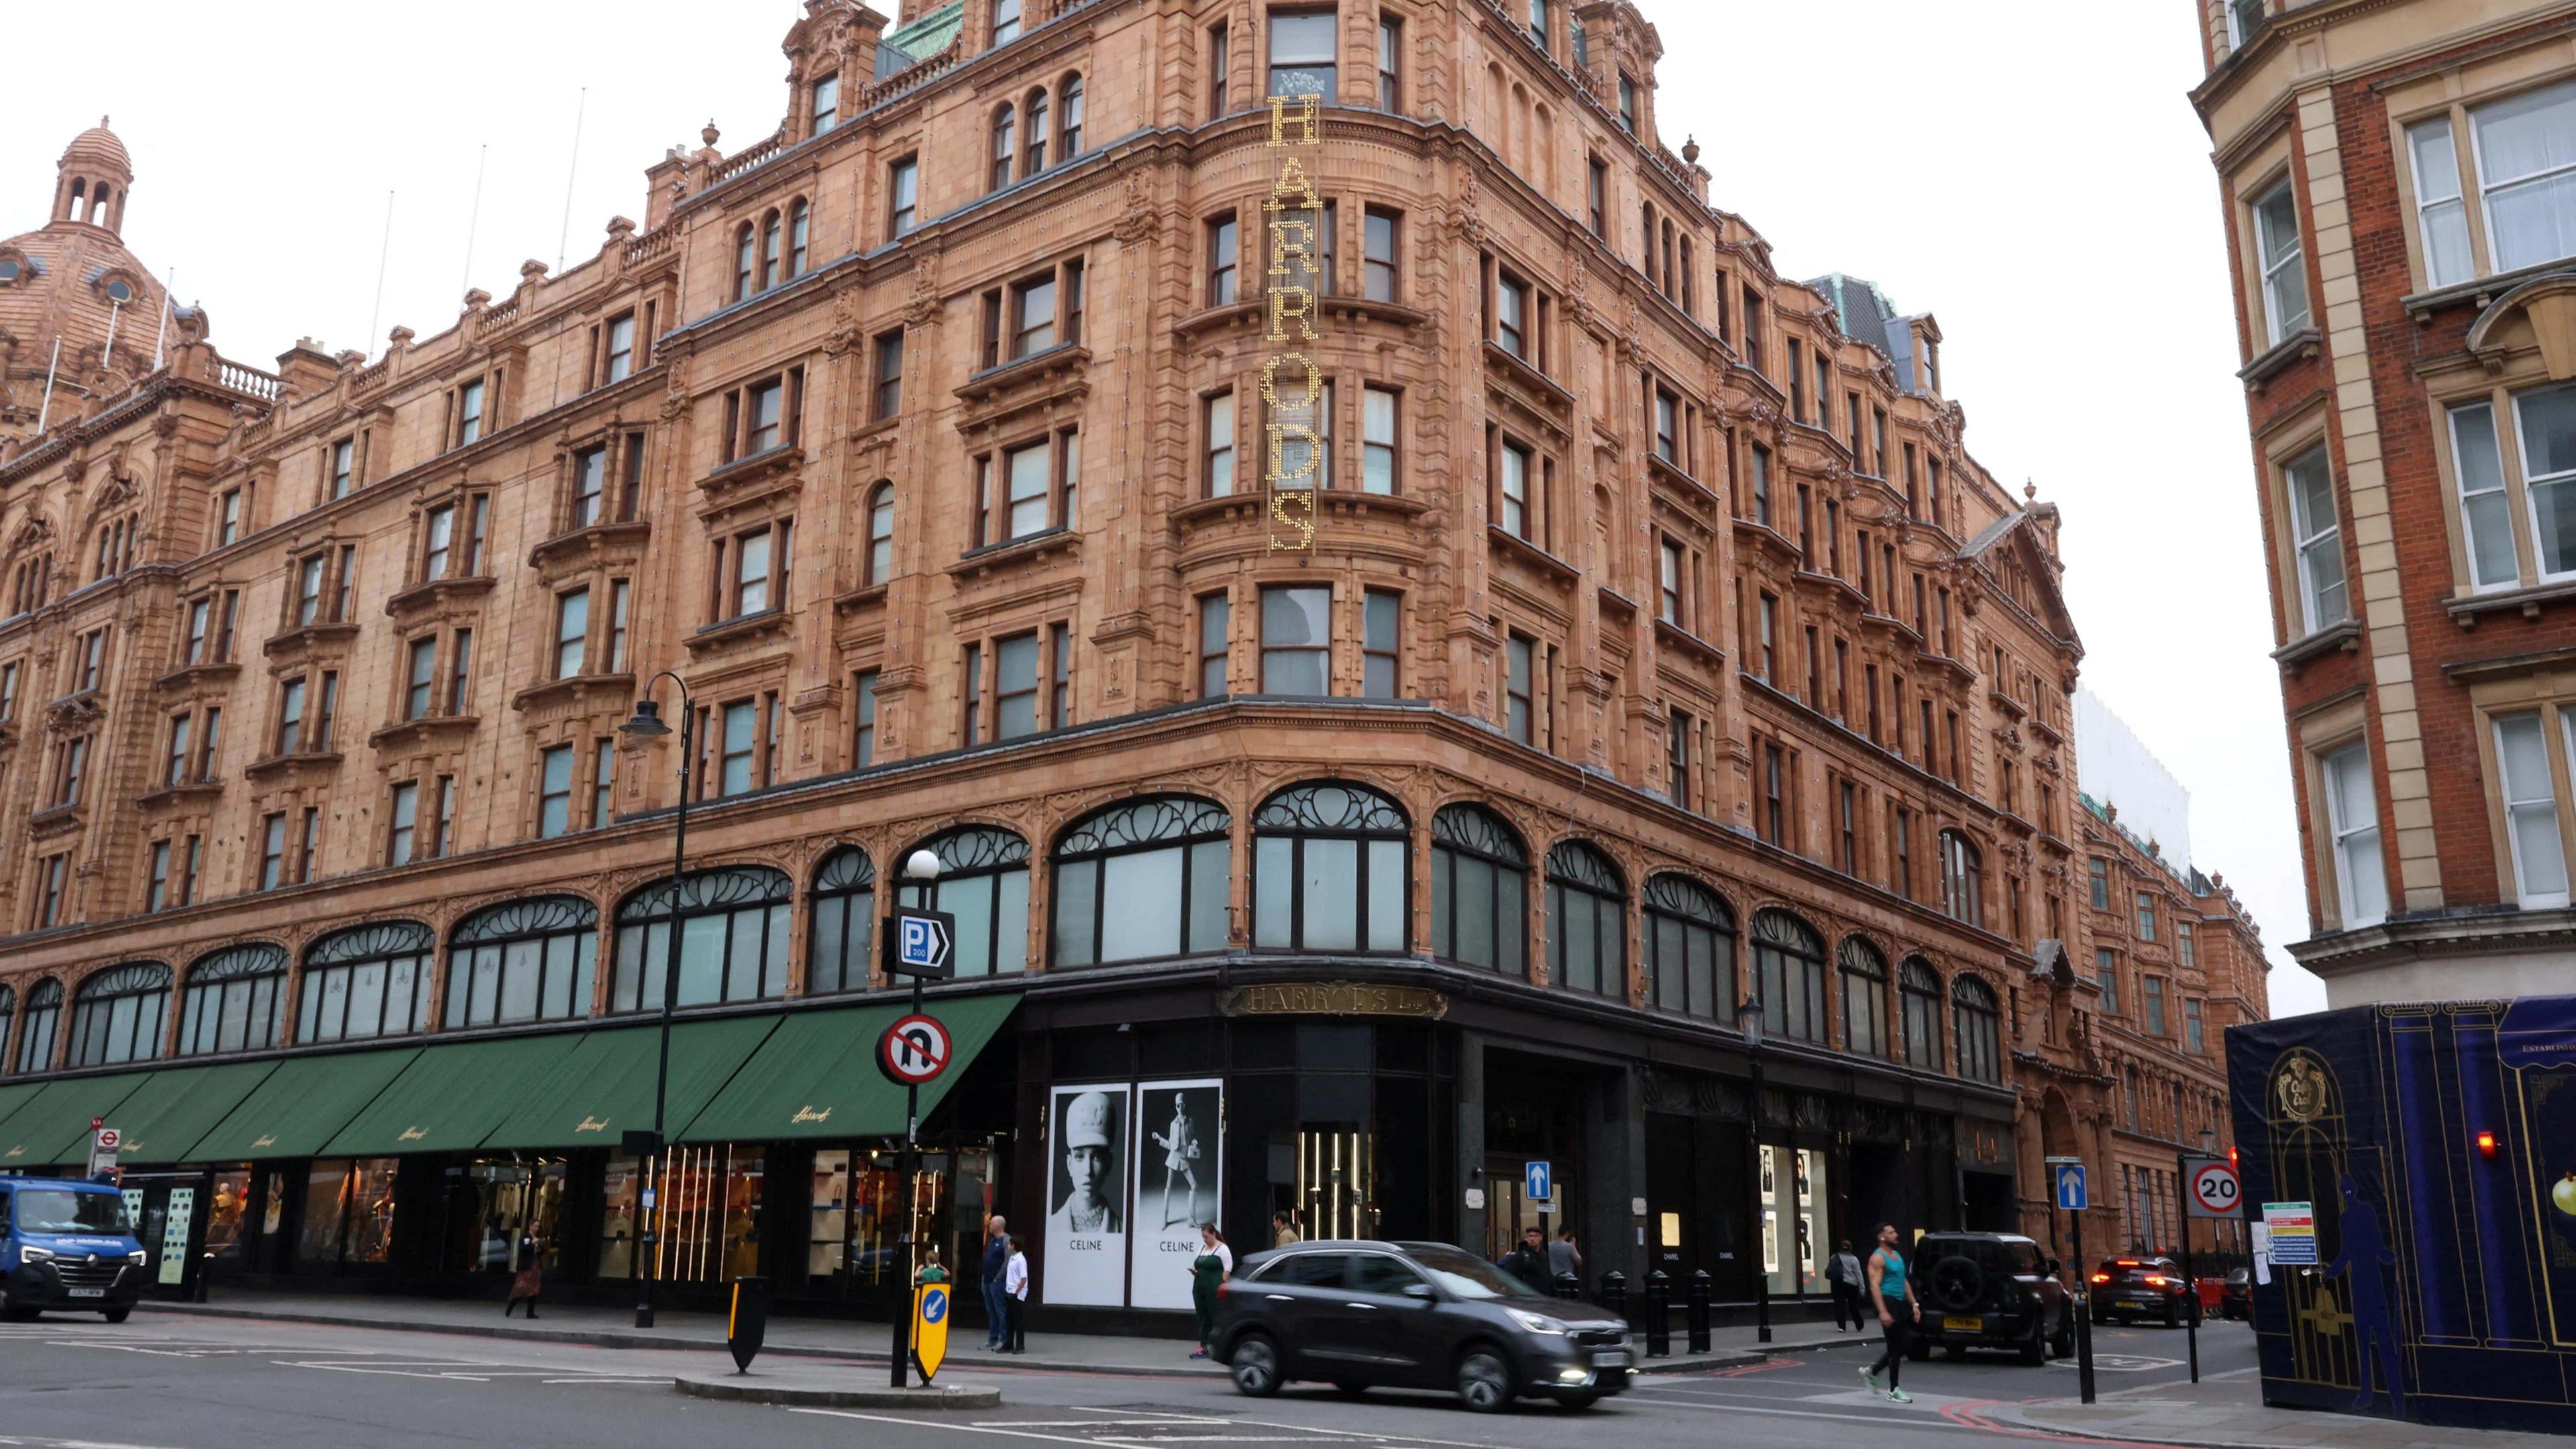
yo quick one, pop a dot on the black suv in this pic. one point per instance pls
(1990, 1290)
(2132, 1288)
(1361, 1315)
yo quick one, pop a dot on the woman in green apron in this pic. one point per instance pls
(1213, 1265)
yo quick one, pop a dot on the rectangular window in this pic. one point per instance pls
(420, 677)
(308, 590)
(1762, 485)
(1033, 316)
(1025, 473)
(1596, 196)
(2531, 811)
(2186, 946)
(1380, 233)
(1015, 687)
(619, 364)
(1904, 851)
(572, 634)
(2486, 517)
(1771, 821)
(1006, 21)
(201, 614)
(209, 741)
(2352, 826)
(1668, 581)
(1668, 427)
(1221, 269)
(1519, 688)
(863, 691)
(1390, 63)
(973, 686)
(2146, 916)
(442, 825)
(554, 791)
(174, 767)
(2106, 971)
(1217, 422)
(827, 104)
(887, 398)
(1060, 672)
(1677, 759)
(2545, 424)
(739, 746)
(344, 458)
(2151, 991)
(2524, 164)
(903, 196)
(1303, 52)
(156, 884)
(2099, 875)
(1627, 105)
(1848, 828)
(2317, 537)
(228, 518)
(1220, 67)
(631, 486)
(1767, 640)
(1296, 641)
(460, 674)
(1515, 500)
(1215, 634)
(1511, 316)
(1381, 630)
(764, 416)
(589, 485)
(1379, 459)
(290, 716)
(469, 413)
(2284, 263)
(2194, 1033)
(405, 818)
(272, 852)
(438, 533)
(2441, 218)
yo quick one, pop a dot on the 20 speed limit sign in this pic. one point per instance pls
(2215, 1192)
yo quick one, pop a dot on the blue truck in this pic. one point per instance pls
(67, 1246)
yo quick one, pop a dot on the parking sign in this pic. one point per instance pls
(921, 943)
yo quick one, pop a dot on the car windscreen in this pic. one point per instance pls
(61, 1210)
(1465, 1276)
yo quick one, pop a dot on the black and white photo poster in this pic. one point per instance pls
(1086, 1228)
(1180, 1133)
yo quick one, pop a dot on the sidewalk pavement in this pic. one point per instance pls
(1730, 1347)
(2227, 1412)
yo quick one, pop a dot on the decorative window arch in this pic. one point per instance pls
(1479, 891)
(1033, 150)
(1864, 987)
(367, 981)
(843, 924)
(880, 566)
(232, 1000)
(1143, 879)
(800, 235)
(733, 938)
(1789, 967)
(1006, 131)
(1918, 987)
(1328, 870)
(1587, 921)
(1690, 949)
(984, 883)
(1068, 118)
(1979, 1025)
(43, 1013)
(772, 241)
(117, 1015)
(745, 255)
(1962, 885)
(532, 959)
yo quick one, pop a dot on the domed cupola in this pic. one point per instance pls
(91, 180)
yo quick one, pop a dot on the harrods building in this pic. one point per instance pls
(1658, 647)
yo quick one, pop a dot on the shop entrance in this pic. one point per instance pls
(1533, 1113)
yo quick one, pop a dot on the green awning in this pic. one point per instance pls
(167, 1114)
(450, 1098)
(300, 1105)
(51, 1127)
(816, 1076)
(15, 1095)
(604, 1086)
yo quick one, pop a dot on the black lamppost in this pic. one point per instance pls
(1748, 1020)
(647, 725)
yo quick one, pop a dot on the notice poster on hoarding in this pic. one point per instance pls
(2292, 1230)
(1181, 1135)
(1086, 1226)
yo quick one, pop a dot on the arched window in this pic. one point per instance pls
(733, 938)
(844, 922)
(80, 199)
(232, 1000)
(1919, 988)
(1479, 891)
(366, 981)
(1142, 880)
(771, 237)
(523, 960)
(984, 883)
(1789, 967)
(1864, 986)
(742, 261)
(880, 533)
(1005, 142)
(1587, 921)
(1962, 893)
(1068, 119)
(1328, 870)
(800, 218)
(117, 1015)
(1033, 160)
(1690, 948)
(8, 1014)
(36, 1034)
(1979, 1027)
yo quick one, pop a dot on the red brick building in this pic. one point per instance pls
(2402, 255)
(1658, 647)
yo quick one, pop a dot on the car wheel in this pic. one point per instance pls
(117, 1315)
(1580, 1400)
(1351, 1391)
(2173, 1314)
(1484, 1381)
(2036, 1351)
(1256, 1366)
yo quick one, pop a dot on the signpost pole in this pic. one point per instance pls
(902, 1287)
(2190, 1283)
(2068, 1191)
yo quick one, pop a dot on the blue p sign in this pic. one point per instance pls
(920, 943)
(2070, 1187)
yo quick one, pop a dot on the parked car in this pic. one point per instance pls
(1991, 1290)
(66, 1245)
(2126, 1289)
(2236, 1299)
(1362, 1315)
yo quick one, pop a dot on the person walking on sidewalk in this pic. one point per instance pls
(1891, 1292)
(997, 1311)
(1843, 1271)
(530, 1279)
(1015, 1299)
(1213, 1265)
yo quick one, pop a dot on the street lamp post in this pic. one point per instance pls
(647, 725)
(922, 869)
(1748, 1020)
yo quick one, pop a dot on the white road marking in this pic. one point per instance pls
(942, 1424)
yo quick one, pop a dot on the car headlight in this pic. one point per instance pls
(35, 1255)
(137, 1257)
(1537, 1323)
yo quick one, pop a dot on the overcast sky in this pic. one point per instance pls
(2046, 191)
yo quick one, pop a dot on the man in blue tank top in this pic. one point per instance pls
(1891, 1292)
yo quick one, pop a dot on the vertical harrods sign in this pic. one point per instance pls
(1292, 385)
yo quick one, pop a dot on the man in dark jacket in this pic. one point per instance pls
(997, 1257)
(1528, 1262)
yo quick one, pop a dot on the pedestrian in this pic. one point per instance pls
(1283, 1229)
(1564, 1258)
(932, 1270)
(530, 1279)
(1891, 1292)
(1843, 1271)
(1015, 1298)
(1528, 1262)
(1213, 1265)
(997, 1312)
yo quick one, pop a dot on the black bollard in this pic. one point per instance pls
(1614, 1294)
(1568, 1286)
(1659, 1302)
(1698, 1292)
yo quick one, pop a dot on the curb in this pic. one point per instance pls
(2104, 1436)
(1738, 1358)
(751, 1390)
